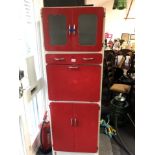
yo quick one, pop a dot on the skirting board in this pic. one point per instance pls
(72, 153)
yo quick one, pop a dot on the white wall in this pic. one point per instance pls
(115, 22)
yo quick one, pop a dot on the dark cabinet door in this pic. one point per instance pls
(89, 28)
(56, 24)
(74, 82)
(86, 131)
(62, 126)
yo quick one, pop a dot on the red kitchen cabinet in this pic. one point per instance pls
(74, 79)
(73, 29)
(75, 127)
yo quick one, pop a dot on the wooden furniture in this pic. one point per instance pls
(73, 48)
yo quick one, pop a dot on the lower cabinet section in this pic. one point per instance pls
(75, 127)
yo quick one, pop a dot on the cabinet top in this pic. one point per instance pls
(73, 7)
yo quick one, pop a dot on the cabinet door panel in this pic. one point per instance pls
(62, 127)
(74, 82)
(89, 28)
(57, 29)
(56, 22)
(86, 131)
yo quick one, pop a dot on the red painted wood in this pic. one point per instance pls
(86, 131)
(62, 130)
(72, 15)
(74, 58)
(80, 135)
(56, 11)
(99, 11)
(74, 83)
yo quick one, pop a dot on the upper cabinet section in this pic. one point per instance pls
(73, 29)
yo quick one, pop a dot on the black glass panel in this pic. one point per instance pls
(57, 29)
(87, 29)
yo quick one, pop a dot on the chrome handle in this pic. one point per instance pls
(69, 29)
(59, 59)
(73, 67)
(87, 59)
(74, 29)
(75, 121)
(72, 122)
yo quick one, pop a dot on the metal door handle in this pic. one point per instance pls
(75, 121)
(69, 29)
(59, 59)
(87, 59)
(72, 122)
(73, 67)
(74, 29)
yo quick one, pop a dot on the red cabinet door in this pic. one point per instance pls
(86, 131)
(56, 24)
(88, 23)
(62, 126)
(74, 82)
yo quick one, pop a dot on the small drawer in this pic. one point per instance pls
(74, 59)
(90, 58)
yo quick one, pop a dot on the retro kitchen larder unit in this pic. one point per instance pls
(73, 41)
